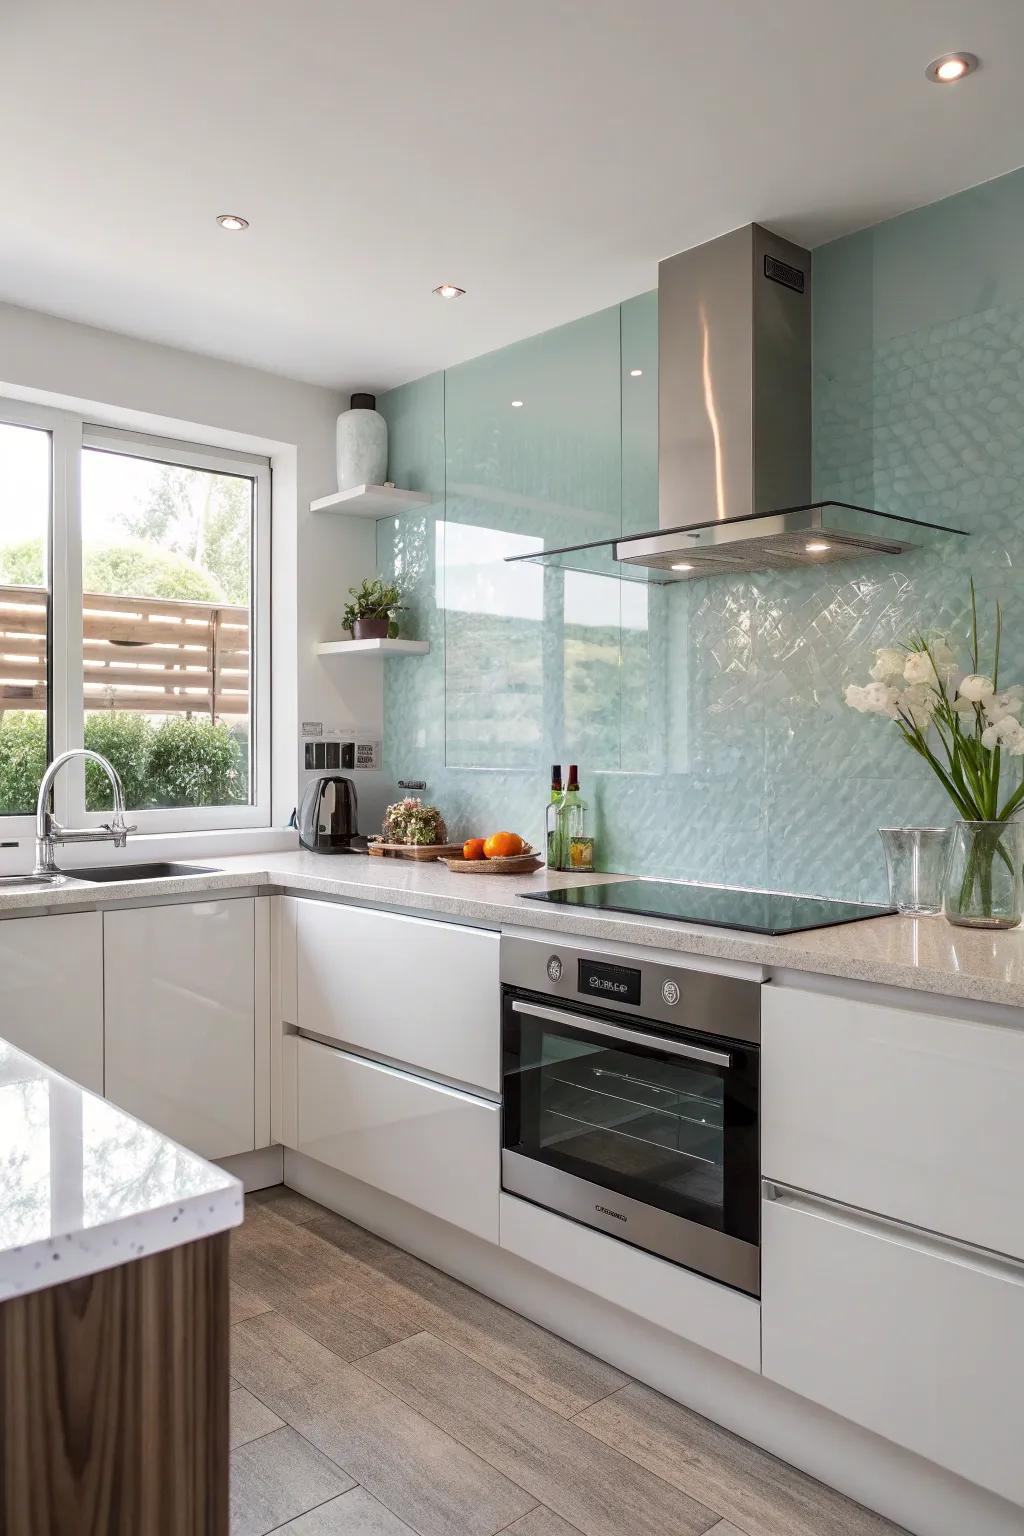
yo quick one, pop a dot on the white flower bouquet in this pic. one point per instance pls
(962, 723)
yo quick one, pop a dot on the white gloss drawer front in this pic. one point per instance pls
(51, 992)
(683, 1303)
(432, 1146)
(909, 1335)
(909, 1114)
(180, 1020)
(405, 988)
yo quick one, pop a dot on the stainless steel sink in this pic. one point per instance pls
(106, 873)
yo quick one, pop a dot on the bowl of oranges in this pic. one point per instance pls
(502, 853)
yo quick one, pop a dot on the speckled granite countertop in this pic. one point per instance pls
(926, 954)
(86, 1187)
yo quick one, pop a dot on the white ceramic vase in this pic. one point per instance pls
(362, 444)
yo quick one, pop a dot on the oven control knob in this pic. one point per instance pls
(554, 968)
(670, 992)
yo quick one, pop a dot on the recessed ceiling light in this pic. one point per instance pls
(951, 67)
(817, 547)
(516, 404)
(232, 221)
(683, 565)
(449, 291)
(636, 373)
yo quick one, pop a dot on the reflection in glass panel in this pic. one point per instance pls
(642, 676)
(527, 476)
(24, 614)
(24, 1161)
(494, 685)
(591, 651)
(167, 555)
(128, 1167)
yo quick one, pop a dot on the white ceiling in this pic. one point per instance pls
(541, 153)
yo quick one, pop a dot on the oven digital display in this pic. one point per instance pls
(616, 983)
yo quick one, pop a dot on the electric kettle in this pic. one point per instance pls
(327, 816)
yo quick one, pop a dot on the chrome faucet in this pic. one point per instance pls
(49, 830)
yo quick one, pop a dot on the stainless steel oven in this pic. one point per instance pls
(630, 1101)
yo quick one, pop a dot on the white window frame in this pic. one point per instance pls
(70, 434)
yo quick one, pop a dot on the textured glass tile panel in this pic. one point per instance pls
(725, 752)
(639, 320)
(407, 553)
(590, 679)
(520, 476)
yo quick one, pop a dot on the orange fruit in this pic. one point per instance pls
(473, 848)
(503, 845)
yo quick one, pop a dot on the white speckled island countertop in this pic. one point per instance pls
(85, 1187)
(925, 954)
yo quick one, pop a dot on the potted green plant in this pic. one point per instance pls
(371, 613)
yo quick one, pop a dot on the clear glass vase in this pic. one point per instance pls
(983, 876)
(915, 858)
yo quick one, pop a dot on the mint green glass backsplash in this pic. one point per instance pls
(707, 718)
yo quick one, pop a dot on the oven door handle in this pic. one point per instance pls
(630, 1036)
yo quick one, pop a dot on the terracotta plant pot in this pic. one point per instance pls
(371, 629)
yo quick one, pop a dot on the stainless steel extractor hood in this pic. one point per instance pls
(734, 427)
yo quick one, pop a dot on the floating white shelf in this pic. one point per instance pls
(373, 648)
(372, 501)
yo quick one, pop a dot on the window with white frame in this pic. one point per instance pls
(135, 620)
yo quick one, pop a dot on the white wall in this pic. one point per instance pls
(115, 378)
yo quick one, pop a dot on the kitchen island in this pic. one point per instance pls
(113, 1318)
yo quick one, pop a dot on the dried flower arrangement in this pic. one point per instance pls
(410, 821)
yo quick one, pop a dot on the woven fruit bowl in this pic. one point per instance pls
(512, 864)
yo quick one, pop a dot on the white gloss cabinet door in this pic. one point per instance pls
(405, 988)
(180, 1020)
(435, 1147)
(51, 992)
(907, 1113)
(899, 1332)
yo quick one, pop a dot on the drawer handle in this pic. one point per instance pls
(591, 1026)
(934, 1245)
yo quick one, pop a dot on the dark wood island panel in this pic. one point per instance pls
(114, 1400)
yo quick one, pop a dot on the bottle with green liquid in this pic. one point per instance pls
(575, 845)
(554, 854)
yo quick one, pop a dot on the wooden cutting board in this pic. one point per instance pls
(414, 850)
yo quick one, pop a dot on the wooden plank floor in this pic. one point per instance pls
(375, 1396)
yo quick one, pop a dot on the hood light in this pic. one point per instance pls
(232, 221)
(449, 291)
(951, 67)
(817, 547)
(684, 565)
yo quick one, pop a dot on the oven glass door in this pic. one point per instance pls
(668, 1120)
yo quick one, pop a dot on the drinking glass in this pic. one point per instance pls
(916, 858)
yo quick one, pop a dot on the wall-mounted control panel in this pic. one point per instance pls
(324, 748)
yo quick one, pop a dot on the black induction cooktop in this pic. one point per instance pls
(752, 911)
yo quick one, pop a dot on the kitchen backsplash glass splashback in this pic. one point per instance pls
(707, 718)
